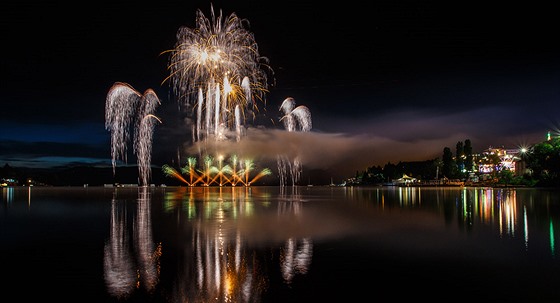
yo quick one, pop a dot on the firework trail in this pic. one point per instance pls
(127, 109)
(294, 119)
(144, 134)
(171, 172)
(217, 68)
(120, 109)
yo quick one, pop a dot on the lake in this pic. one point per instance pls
(279, 244)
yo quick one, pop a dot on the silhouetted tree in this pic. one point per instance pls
(469, 160)
(390, 172)
(373, 175)
(449, 167)
(544, 161)
(460, 157)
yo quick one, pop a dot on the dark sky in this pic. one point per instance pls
(385, 81)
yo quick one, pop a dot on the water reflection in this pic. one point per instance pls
(147, 252)
(265, 244)
(218, 260)
(8, 194)
(295, 254)
(295, 257)
(510, 212)
(224, 240)
(217, 264)
(128, 268)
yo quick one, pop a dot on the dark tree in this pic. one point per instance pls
(448, 166)
(544, 160)
(390, 172)
(373, 175)
(460, 157)
(469, 160)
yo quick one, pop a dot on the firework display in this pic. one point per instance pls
(219, 79)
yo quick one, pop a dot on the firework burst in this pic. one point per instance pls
(217, 68)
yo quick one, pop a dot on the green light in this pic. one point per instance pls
(551, 237)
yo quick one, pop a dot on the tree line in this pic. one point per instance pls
(542, 163)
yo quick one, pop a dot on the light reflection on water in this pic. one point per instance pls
(263, 244)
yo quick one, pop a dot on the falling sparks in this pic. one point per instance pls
(125, 110)
(294, 119)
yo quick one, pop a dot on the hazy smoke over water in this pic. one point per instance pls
(337, 152)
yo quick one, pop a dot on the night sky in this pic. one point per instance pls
(385, 81)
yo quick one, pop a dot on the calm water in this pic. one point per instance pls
(267, 244)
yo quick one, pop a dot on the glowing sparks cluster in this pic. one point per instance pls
(216, 67)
